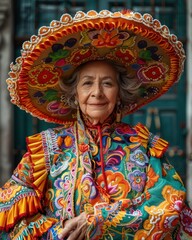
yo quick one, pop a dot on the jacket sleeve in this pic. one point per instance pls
(21, 198)
(161, 210)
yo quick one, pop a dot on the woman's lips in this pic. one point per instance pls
(97, 104)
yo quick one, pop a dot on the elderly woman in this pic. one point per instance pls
(95, 177)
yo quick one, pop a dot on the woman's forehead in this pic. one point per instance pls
(97, 69)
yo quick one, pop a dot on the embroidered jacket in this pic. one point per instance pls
(114, 173)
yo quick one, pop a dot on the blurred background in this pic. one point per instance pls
(170, 116)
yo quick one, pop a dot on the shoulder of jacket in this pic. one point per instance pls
(156, 145)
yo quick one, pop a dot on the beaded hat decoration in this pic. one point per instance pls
(152, 56)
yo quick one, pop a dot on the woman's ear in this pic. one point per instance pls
(76, 97)
(76, 101)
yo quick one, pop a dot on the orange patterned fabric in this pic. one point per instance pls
(144, 197)
(21, 196)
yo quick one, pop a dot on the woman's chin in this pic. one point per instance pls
(97, 119)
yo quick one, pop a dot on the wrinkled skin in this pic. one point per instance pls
(74, 228)
(97, 91)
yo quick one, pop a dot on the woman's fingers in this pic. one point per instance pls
(67, 230)
(75, 236)
(74, 228)
(79, 233)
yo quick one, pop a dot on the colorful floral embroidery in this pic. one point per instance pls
(137, 179)
(114, 157)
(64, 142)
(111, 38)
(88, 186)
(139, 158)
(60, 165)
(80, 55)
(164, 217)
(83, 147)
(153, 73)
(123, 129)
(152, 178)
(45, 76)
(186, 220)
(130, 165)
(48, 95)
(60, 51)
(58, 107)
(24, 170)
(9, 191)
(147, 53)
(141, 203)
(125, 55)
(117, 185)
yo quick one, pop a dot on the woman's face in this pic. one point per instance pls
(97, 91)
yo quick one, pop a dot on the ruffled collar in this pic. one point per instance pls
(92, 130)
(110, 120)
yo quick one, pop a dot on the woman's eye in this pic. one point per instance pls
(107, 83)
(87, 83)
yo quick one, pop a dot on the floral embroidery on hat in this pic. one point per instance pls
(153, 73)
(60, 51)
(44, 76)
(48, 95)
(127, 56)
(148, 53)
(151, 55)
(57, 107)
(80, 55)
(111, 39)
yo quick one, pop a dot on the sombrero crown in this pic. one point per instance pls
(145, 47)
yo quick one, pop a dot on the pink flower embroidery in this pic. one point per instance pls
(130, 165)
(58, 107)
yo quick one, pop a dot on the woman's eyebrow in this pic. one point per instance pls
(90, 77)
(107, 77)
(87, 76)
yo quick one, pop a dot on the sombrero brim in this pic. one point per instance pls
(146, 48)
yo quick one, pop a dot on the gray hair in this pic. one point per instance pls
(128, 87)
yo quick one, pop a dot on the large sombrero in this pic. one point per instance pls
(146, 48)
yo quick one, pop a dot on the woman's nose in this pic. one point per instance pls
(97, 91)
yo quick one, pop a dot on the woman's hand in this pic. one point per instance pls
(75, 228)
